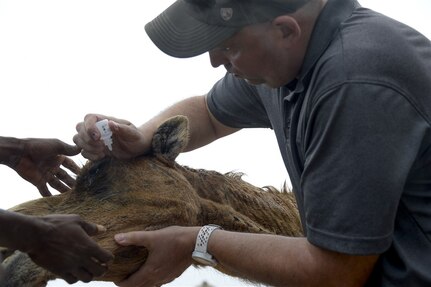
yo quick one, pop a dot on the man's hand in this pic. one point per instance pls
(40, 163)
(62, 245)
(128, 141)
(170, 254)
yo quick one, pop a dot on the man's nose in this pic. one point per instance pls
(218, 58)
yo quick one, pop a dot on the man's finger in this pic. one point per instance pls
(95, 267)
(98, 253)
(92, 156)
(69, 278)
(58, 185)
(71, 165)
(91, 228)
(61, 147)
(83, 275)
(44, 191)
(70, 150)
(90, 125)
(137, 238)
(66, 178)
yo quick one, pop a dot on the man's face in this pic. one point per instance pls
(255, 55)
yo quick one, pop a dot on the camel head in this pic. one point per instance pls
(152, 192)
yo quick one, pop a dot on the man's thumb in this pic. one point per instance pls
(92, 229)
(70, 150)
(130, 238)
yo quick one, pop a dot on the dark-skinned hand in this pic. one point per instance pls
(41, 164)
(62, 245)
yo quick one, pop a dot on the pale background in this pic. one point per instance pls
(60, 60)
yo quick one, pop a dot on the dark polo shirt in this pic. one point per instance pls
(354, 133)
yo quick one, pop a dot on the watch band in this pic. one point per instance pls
(200, 253)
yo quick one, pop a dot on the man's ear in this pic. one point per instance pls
(289, 28)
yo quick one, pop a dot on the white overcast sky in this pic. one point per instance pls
(62, 59)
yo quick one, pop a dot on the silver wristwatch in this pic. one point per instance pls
(200, 254)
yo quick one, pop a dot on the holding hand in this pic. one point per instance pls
(169, 254)
(62, 245)
(128, 141)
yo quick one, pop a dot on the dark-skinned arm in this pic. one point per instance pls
(41, 162)
(58, 243)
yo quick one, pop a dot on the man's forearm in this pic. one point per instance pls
(287, 261)
(259, 257)
(202, 130)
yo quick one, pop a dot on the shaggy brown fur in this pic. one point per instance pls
(153, 192)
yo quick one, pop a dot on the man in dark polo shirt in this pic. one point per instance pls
(347, 92)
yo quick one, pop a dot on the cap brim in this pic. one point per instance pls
(180, 35)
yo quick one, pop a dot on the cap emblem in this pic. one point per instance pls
(226, 13)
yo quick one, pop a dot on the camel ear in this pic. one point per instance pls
(171, 137)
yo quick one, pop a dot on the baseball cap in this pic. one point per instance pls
(189, 28)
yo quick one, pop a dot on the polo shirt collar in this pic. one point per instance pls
(326, 27)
